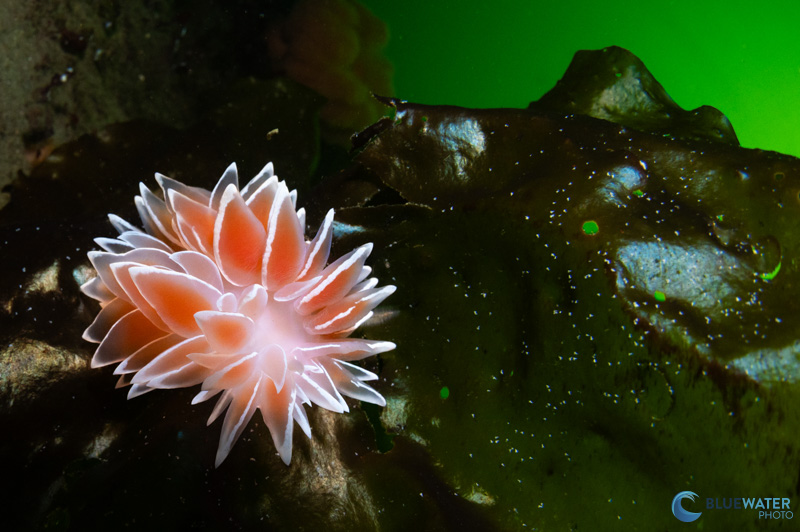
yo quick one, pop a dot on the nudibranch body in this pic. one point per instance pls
(222, 289)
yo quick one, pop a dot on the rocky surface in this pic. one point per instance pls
(71, 68)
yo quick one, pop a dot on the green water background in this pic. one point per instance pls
(741, 57)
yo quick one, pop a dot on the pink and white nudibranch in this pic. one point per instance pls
(222, 289)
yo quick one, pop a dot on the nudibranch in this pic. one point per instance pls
(222, 289)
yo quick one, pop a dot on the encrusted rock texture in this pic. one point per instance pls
(70, 68)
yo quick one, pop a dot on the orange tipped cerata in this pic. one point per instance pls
(222, 289)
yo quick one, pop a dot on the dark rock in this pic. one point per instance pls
(613, 84)
(613, 305)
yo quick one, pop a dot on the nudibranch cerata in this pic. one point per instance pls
(222, 289)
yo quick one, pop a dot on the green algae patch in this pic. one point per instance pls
(771, 275)
(590, 228)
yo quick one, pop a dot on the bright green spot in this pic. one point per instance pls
(660, 296)
(720, 217)
(638, 192)
(444, 393)
(771, 275)
(590, 227)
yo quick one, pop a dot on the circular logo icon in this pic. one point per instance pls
(679, 512)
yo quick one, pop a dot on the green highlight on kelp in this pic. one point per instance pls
(660, 296)
(771, 275)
